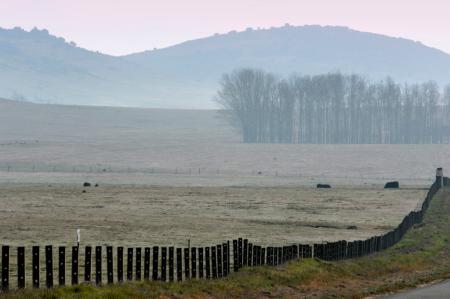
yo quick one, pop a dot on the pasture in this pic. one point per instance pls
(147, 216)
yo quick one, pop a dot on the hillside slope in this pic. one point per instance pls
(39, 67)
(307, 49)
(42, 68)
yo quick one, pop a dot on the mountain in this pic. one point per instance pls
(306, 50)
(39, 67)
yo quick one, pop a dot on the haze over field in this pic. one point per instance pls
(186, 75)
(70, 144)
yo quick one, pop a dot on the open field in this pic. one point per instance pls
(68, 144)
(421, 257)
(132, 216)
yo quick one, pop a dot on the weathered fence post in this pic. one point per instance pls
(20, 267)
(35, 266)
(214, 262)
(200, 262)
(163, 264)
(119, 264)
(171, 264)
(235, 256)
(219, 261)
(244, 257)
(350, 250)
(62, 266)
(225, 259)
(194, 262)
(207, 263)
(250, 254)
(274, 255)
(240, 253)
(269, 256)
(87, 263)
(307, 251)
(109, 264)
(138, 263)
(179, 265)
(130, 264)
(228, 258)
(439, 177)
(5, 268)
(155, 262)
(187, 271)
(295, 254)
(316, 250)
(74, 265)
(98, 265)
(49, 266)
(263, 256)
(258, 256)
(255, 255)
(147, 263)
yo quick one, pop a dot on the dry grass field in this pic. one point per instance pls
(143, 216)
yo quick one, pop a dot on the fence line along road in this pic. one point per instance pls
(170, 264)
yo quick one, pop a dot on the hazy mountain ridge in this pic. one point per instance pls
(308, 50)
(39, 67)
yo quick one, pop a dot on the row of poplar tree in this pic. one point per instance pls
(334, 108)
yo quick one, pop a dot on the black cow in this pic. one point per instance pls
(323, 186)
(392, 185)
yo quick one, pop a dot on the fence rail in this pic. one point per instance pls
(187, 171)
(169, 264)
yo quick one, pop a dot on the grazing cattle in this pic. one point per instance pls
(323, 186)
(86, 184)
(392, 185)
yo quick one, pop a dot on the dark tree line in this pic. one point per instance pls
(334, 108)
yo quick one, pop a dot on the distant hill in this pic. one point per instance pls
(36, 66)
(39, 67)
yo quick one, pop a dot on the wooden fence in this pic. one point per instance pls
(169, 264)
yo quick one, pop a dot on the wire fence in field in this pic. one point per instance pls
(100, 169)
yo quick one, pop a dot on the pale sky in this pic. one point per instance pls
(125, 26)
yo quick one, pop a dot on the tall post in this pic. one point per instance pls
(440, 177)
